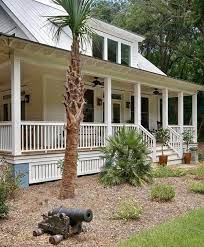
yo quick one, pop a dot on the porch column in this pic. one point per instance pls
(165, 108)
(105, 49)
(108, 105)
(119, 52)
(16, 104)
(137, 104)
(180, 111)
(194, 116)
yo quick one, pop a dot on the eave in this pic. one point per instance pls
(36, 53)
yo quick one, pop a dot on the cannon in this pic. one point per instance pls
(61, 223)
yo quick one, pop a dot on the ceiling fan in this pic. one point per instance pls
(96, 82)
(157, 92)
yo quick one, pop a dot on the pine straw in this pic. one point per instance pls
(31, 203)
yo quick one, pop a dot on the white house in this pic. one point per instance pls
(123, 89)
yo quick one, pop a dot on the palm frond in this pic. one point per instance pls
(78, 14)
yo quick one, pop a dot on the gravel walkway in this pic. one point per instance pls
(26, 211)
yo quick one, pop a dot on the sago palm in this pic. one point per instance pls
(78, 12)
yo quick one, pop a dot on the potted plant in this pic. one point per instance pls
(163, 136)
(187, 138)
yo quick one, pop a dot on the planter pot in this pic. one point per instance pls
(194, 155)
(163, 159)
(187, 158)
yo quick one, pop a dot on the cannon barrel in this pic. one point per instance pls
(75, 215)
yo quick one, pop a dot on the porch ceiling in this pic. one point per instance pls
(56, 60)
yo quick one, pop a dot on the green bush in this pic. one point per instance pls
(126, 160)
(166, 171)
(8, 182)
(128, 210)
(197, 187)
(198, 171)
(3, 206)
(162, 193)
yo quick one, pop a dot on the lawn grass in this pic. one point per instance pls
(187, 231)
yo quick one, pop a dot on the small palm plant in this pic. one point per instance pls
(163, 136)
(126, 158)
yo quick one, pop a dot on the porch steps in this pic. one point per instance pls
(173, 158)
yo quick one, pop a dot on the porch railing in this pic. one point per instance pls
(5, 136)
(178, 128)
(119, 126)
(51, 136)
(176, 141)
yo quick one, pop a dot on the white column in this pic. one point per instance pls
(119, 53)
(165, 108)
(137, 104)
(180, 111)
(194, 116)
(16, 104)
(108, 104)
(105, 49)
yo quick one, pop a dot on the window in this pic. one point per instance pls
(97, 46)
(125, 54)
(89, 106)
(112, 50)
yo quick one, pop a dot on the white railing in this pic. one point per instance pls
(178, 128)
(5, 136)
(190, 128)
(51, 136)
(119, 126)
(92, 135)
(42, 136)
(176, 141)
(150, 141)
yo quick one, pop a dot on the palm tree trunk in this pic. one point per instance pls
(70, 164)
(74, 104)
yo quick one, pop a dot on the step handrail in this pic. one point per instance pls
(150, 141)
(176, 141)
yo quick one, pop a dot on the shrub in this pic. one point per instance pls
(128, 210)
(8, 182)
(3, 206)
(197, 187)
(166, 171)
(126, 160)
(198, 171)
(162, 193)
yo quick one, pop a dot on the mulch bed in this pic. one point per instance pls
(31, 203)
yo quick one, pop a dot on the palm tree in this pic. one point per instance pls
(78, 14)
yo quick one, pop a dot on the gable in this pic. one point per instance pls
(8, 26)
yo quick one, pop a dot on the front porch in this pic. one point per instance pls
(32, 117)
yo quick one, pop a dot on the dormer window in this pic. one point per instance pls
(97, 46)
(125, 54)
(112, 51)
